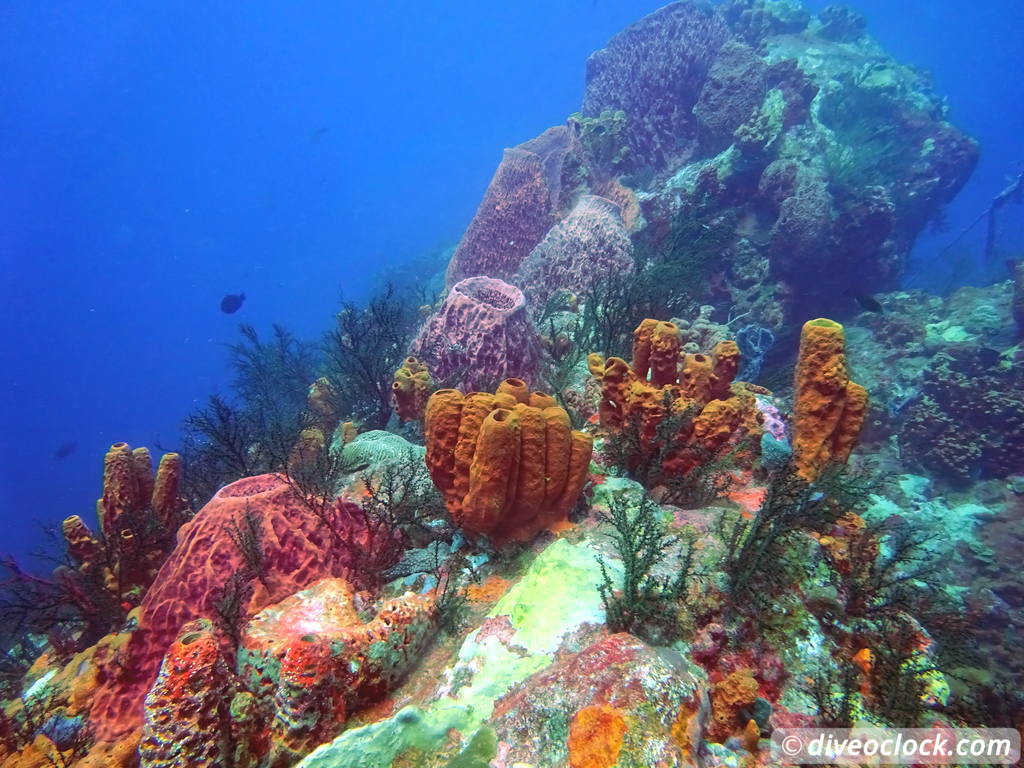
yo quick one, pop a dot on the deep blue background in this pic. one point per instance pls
(153, 158)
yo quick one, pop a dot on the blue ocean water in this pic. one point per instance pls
(155, 157)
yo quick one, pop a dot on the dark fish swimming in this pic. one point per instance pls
(65, 449)
(867, 302)
(232, 303)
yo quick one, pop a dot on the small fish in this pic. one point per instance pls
(65, 449)
(988, 356)
(868, 303)
(231, 303)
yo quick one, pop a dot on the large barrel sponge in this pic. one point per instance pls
(479, 336)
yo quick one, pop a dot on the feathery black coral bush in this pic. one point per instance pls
(647, 603)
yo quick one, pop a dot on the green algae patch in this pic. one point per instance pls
(481, 750)
(556, 594)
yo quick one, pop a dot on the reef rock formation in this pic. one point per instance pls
(298, 547)
(772, 160)
(318, 660)
(479, 336)
(508, 464)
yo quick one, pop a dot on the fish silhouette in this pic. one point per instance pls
(232, 303)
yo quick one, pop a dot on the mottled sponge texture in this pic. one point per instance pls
(479, 336)
(588, 247)
(654, 71)
(298, 549)
(520, 205)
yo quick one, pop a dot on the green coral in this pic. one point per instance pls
(603, 138)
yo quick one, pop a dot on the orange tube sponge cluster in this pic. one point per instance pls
(322, 418)
(322, 405)
(662, 383)
(828, 408)
(411, 389)
(507, 464)
(129, 547)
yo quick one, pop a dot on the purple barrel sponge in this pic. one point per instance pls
(589, 246)
(520, 205)
(480, 336)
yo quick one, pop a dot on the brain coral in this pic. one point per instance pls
(298, 549)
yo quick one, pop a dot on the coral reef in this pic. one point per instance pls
(508, 464)
(789, 157)
(299, 546)
(968, 420)
(480, 335)
(318, 660)
(693, 566)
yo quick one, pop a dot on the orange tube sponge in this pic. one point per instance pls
(514, 468)
(665, 344)
(120, 489)
(828, 408)
(557, 446)
(493, 475)
(142, 468)
(726, 363)
(167, 502)
(532, 481)
(82, 544)
(411, 388)
(441, 430)
(475, 408)
(696, 377)
(515, 387)
(642, 347)
(542, 400)
(616, 379)
(656, 346)
(578, 464)
(711, 413)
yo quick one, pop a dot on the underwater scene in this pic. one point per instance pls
(572, 384)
